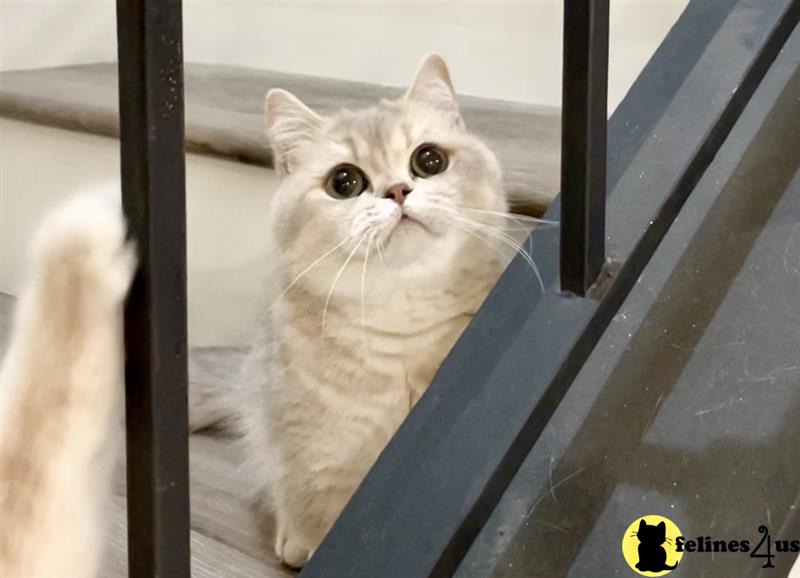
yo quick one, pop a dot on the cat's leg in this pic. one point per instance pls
(324, 447)
(307, 502)
(61, 395)
(317, 471)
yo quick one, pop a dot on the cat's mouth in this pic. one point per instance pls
(408, 226)
(407, 221)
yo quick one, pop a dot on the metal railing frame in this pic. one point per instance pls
(583, 143)
(431, 534)
(153, 195)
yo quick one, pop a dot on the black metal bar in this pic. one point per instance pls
(422, 504)
(583, 143)
(152, 155)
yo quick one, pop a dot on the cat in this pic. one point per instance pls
(652, 556)
(61, 391)
(389, 228)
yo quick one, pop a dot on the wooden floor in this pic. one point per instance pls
(227, 541)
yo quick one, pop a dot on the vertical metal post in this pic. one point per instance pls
(583, 143)
(153, 194)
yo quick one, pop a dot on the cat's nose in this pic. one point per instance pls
(398, 192)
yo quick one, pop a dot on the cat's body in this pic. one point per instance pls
(378, 286)
(319, 423)
(61, 396)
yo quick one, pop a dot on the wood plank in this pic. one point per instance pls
(224, 115)
(210, 558)
(221, 511)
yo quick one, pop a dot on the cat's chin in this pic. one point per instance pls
(412, 234)
(416, 246)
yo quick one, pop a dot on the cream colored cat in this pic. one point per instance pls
(387, 222)
(61, 395)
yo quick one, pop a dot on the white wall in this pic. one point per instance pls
(230, 258)
(505, 50)
(38, 33)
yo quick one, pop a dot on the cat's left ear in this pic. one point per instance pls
(433, 86)
(662, 528)
(290, 126)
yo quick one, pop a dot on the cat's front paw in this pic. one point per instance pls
(82, 256)
(293, 550)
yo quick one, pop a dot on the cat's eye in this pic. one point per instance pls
(346, 181)
(428, 160)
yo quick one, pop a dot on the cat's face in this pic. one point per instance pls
(402, 182)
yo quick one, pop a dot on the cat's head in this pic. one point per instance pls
(653, 535)
(403, 179)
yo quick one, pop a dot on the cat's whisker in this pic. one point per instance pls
(519, 222)
(471, 230)
(335, 281)
(485, 240)
(494, 222)
(396, 288)
(499, 235)
(383, 264)
(514, 216)
(392, 281)
(518, 218)
(525, 228)
(517, 248)
(363, 285)
(305, 271)
(385, 269)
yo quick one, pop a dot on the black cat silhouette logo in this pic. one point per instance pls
(649, 546)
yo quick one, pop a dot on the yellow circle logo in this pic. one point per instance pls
(649, 545)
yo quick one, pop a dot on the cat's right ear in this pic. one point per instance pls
(642, 524)
(290, 126)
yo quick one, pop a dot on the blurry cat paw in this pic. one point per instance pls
(81, 251)
(292, 550)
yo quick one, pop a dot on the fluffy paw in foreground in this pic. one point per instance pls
(81, 253)
(62, 394)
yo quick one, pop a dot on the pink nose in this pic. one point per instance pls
(398, 192)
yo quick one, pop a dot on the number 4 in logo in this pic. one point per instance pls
(769, 555)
